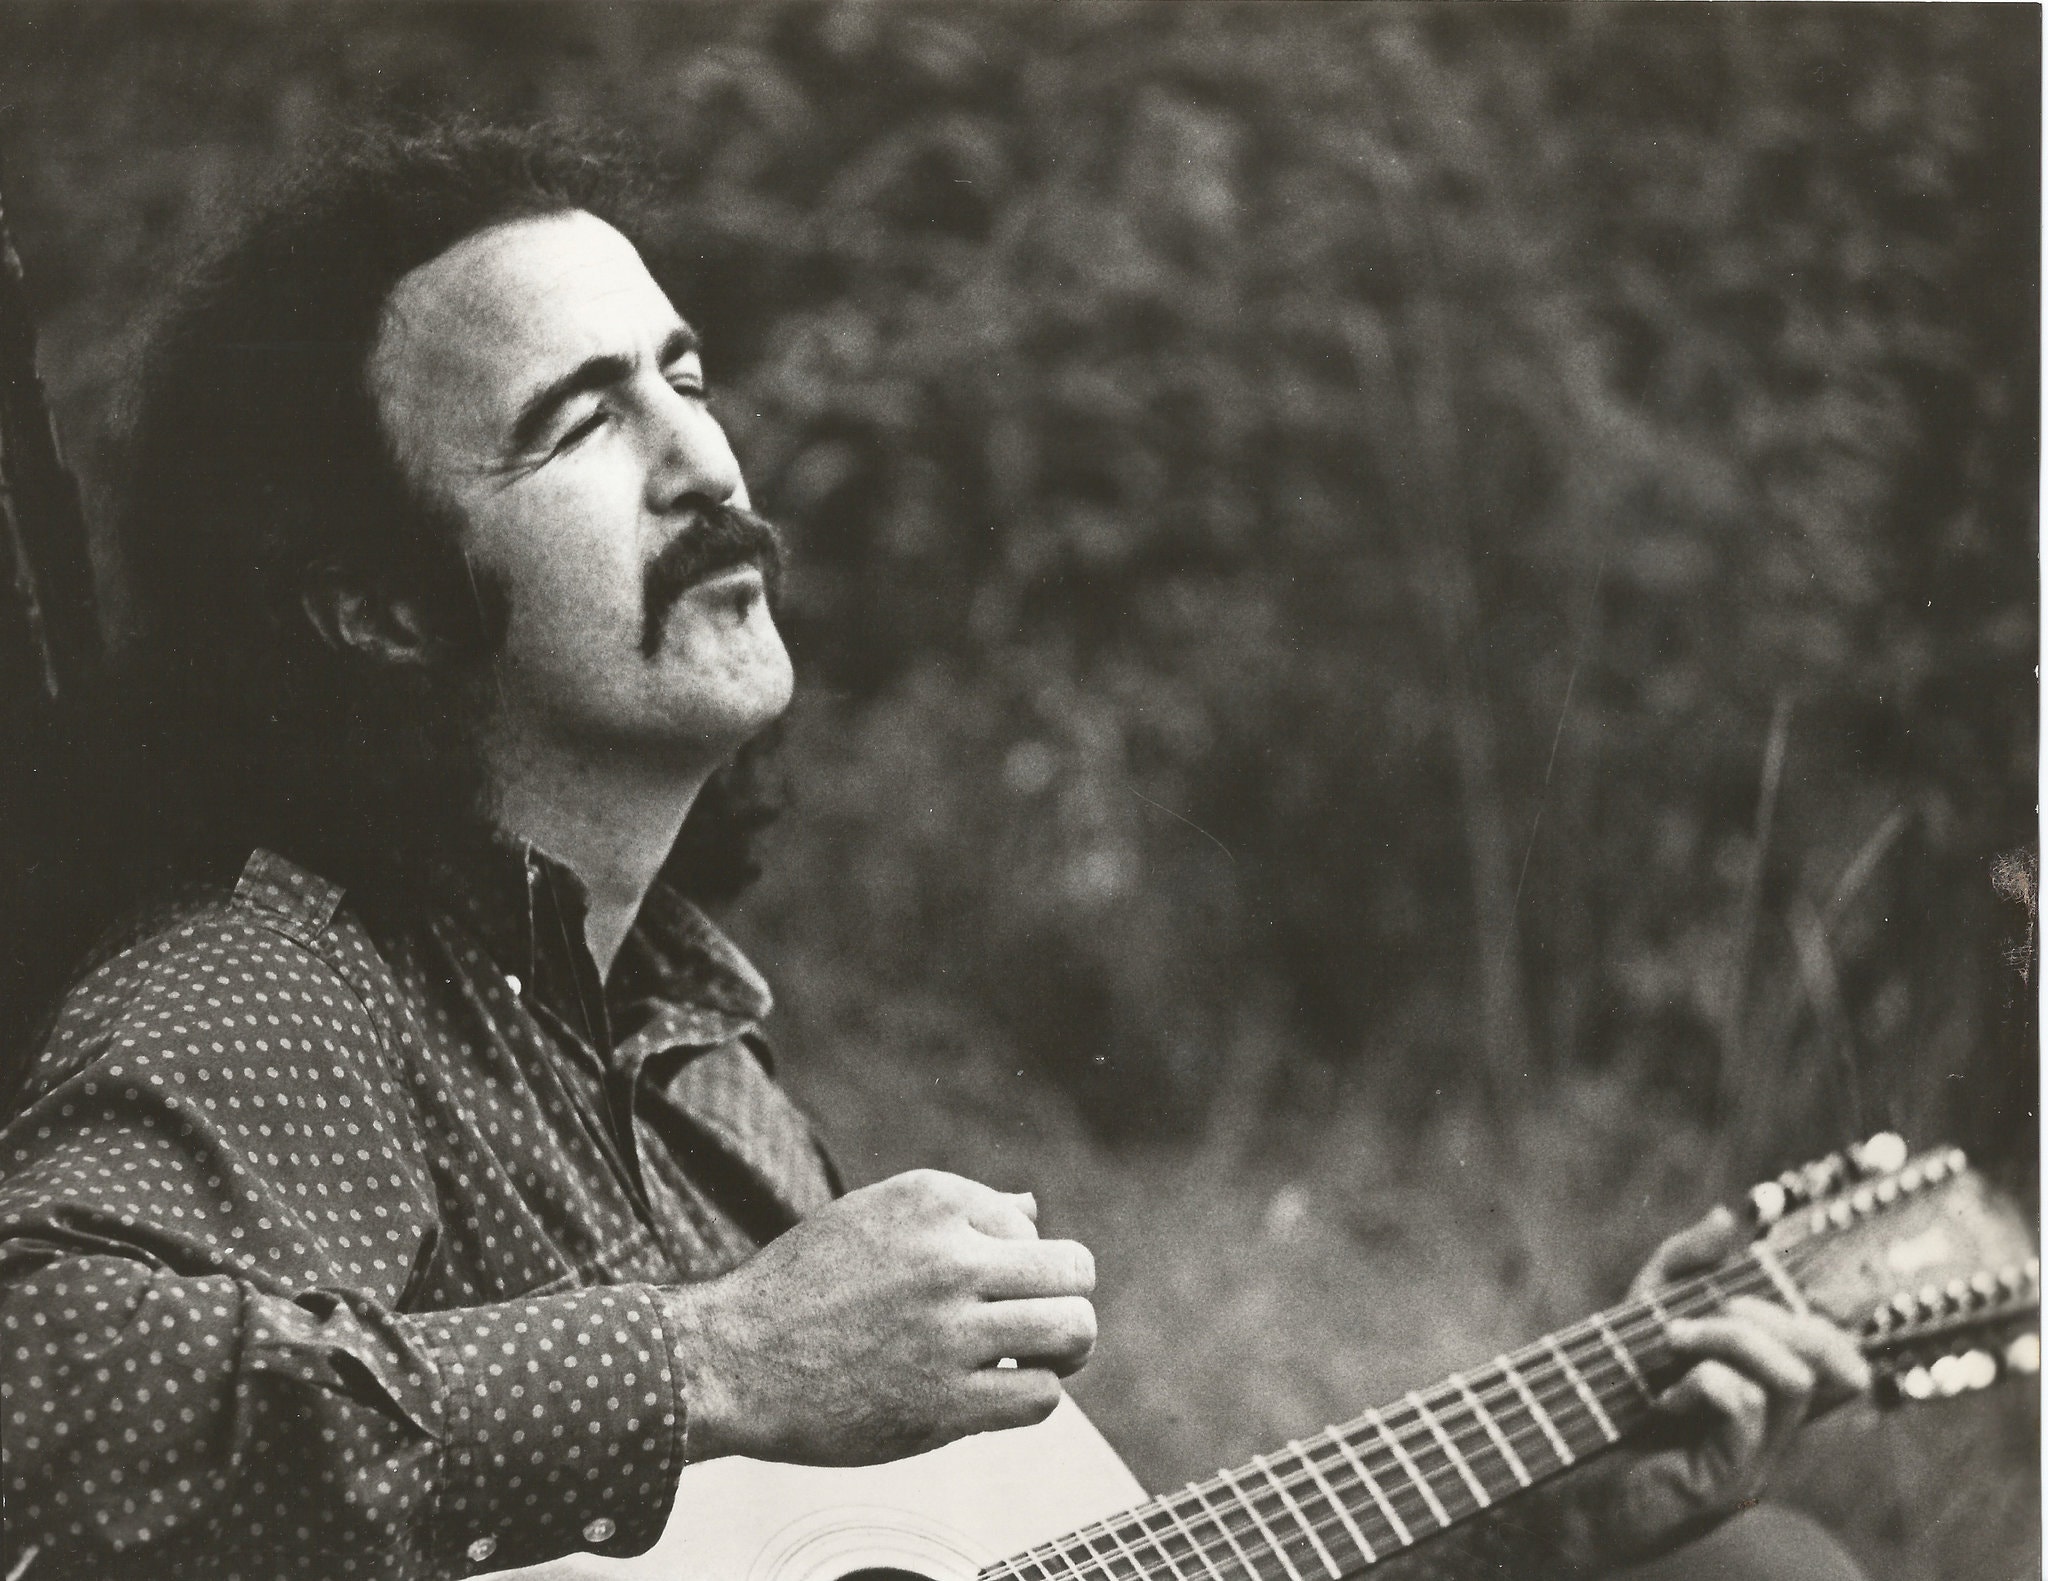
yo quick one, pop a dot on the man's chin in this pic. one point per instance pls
(742, 697)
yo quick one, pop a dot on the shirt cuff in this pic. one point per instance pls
(563, 1422)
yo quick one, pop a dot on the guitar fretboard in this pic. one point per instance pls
(1348, 1497)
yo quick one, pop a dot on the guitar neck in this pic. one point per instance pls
(1353, 1495)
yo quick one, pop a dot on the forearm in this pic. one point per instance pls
(159, 1426)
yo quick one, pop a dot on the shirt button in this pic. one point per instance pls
(482, 1549)
(514, 984)
(600, 1530)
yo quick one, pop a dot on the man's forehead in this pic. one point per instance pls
(502, 312)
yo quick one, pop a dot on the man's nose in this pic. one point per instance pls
(692, 457)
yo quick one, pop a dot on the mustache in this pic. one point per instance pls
(719, 537)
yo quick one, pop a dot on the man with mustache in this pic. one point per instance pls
(403, 1190)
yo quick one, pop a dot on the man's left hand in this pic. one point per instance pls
(1759, 1372)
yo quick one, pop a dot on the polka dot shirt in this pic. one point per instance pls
(332, 1239)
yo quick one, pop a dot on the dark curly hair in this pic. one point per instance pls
(259, 468)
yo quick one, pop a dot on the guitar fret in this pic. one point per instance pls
(1767, 1260)
(1138, 1565)
(1343, 1514)
(1415, 1476)
(1451, 1451)
(1557, 1441)
(1229, 1536)
(1628, 1362)
(1266, 1531)
(1372, 1486)
(1592, 1402)
(1500, 1439)
(1196, 1546)
(1089, 1561)
(1302, 1520)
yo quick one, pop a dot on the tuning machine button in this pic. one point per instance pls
(1883, 1154)
(2023, 1354)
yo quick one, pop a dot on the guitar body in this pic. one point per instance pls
(940, 1516)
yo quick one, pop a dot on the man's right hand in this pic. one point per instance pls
(872, 1329)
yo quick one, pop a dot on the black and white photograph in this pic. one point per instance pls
(1019, 790)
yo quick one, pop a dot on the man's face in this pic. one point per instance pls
(536, 379)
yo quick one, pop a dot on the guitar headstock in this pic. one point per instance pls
(1937, 1274)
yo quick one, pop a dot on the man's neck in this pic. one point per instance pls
(612, 827)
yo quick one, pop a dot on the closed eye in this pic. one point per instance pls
(583, 430)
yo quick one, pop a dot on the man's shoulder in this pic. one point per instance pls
(272, 902)
(207, 963)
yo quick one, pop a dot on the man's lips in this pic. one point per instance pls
(736, 585)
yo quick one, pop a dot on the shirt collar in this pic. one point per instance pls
(527, 908)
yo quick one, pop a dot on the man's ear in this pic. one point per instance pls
(354, 619)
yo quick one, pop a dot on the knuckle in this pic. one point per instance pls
(1722, 1385)
(925, 1187)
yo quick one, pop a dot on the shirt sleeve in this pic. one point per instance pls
(210, 1215)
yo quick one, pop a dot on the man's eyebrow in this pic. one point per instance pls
(593, 373)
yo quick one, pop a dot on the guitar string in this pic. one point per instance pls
(1744, 1278)
(1154, 1525)
(1399, 1488)
(1629, 1324)
(1745, 1281)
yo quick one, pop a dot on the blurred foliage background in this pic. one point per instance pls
(1418, 623)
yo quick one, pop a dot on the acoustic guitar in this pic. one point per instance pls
(1936, 1274)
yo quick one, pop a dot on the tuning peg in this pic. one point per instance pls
(1963, 1372)
(1797, 1188)
(1884, 1154)
(1943, 1378)
(1767, 1203)
(2023, 1354)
